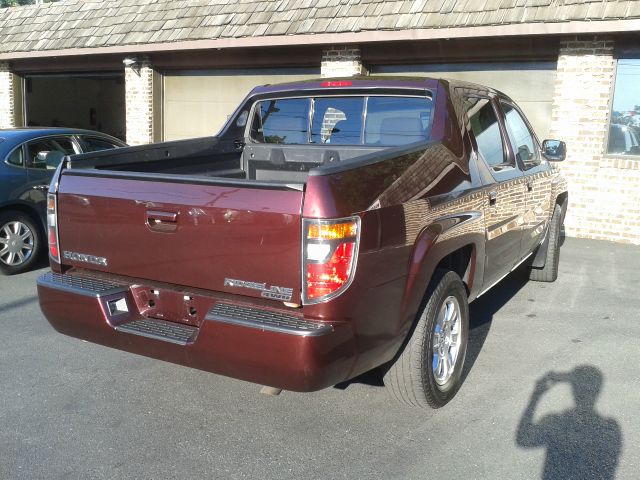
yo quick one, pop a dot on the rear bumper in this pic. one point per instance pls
(250, 342)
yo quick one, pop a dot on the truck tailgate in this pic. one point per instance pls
(228, 238)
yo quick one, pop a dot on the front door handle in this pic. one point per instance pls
(40, 187)
(493, 198)
(162, 221)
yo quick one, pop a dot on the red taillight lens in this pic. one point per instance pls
(330, 252)
(52, 227)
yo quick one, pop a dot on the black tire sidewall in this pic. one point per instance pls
(451, 285)
(38, 239)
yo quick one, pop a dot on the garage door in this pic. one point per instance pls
(92, 101)
(530, 84)
(197, 103)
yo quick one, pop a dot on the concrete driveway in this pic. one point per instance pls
(70, 409)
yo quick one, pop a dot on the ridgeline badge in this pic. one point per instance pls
(274, 292)
(84, 258)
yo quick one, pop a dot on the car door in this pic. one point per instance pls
(537, 188)
(41, 164)
(505, 203)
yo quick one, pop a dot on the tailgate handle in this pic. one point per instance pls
(162, 221)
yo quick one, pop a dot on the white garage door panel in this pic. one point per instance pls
(529, 84)
(197, 103)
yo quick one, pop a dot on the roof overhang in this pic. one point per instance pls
(604, 27)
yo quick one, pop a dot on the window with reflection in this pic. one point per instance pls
(486, 130)
(624, 127)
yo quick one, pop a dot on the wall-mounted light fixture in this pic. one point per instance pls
(132, 63)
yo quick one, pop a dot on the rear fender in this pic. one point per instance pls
(433, 244)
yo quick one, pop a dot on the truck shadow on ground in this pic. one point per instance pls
(579, 442)
(481, 313)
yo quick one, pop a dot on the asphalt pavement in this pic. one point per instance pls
(551, 390)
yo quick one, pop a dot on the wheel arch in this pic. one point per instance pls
(27, 209)
(463, 254)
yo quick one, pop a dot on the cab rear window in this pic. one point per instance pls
(343, 120)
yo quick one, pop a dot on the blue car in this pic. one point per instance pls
(28, 159)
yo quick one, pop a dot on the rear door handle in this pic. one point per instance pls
(40, 187)
(493, 197)
(162, 221)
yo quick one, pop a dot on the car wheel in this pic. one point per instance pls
(428, 370)
(20, 242)
(549, 273)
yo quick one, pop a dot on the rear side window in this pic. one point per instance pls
(486, 130)
(47, 153)
(375, 120)
(16, 157)
(284, 121)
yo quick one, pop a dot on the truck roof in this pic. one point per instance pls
(365, 82)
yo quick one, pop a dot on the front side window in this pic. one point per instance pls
(522, 140)
(94, 144)
(486, 130)
(624, 128)
(354, 120)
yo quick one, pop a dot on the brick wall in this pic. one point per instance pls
(604, 192)
(342, 61)
(139, 102)
(6, 96)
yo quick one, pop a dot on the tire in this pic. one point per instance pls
(549, 273)
(416, 377)
(21, 242)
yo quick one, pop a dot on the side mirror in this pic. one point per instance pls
(554, 150)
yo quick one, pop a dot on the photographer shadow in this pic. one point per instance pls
(580, 442)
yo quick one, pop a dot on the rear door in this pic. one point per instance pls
(233, 238)
(505, 203)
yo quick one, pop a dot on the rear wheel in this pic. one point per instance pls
(549, 273)
(20, 242)
(428, 371)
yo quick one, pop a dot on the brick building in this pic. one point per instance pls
(150, 70)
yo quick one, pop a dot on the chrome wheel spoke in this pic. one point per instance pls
(10, 258)
(4, 240)
(27, 246)
(6, 231)
(446, 340)
(20, 257)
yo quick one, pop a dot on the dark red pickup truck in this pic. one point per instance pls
(333, 226)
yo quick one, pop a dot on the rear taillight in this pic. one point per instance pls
(330, 250)
(52, 227)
